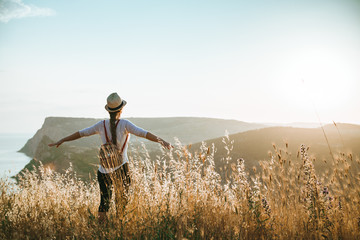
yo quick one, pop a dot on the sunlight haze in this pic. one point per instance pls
(254, 61)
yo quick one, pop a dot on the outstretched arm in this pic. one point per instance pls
(71, 137)
(154, 138)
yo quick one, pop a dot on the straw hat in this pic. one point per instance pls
(114, 103)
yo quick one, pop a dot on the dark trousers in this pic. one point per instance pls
(121, 179)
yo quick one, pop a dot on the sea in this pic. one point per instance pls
(11, 161)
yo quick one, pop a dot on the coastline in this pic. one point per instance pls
(11, 160)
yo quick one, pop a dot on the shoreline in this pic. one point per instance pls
(12, 161)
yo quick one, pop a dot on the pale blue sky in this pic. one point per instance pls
(255, 61)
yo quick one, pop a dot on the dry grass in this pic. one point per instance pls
(180, 195)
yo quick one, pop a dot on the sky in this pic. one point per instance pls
(266, 61)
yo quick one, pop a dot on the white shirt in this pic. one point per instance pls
(123, 128)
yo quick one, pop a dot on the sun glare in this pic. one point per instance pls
(319, 77)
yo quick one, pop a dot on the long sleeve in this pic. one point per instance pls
(95, 129)
(133, 129)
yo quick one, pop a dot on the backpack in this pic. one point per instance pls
(110, 155)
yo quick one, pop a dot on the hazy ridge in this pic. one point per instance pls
(83, 152)
(252, 142)
(255, 145)
(186, 129)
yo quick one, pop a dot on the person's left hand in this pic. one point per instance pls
(57, 144)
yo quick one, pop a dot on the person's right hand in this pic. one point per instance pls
(57, 144)
(166, 145)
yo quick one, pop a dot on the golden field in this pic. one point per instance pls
(181, 195)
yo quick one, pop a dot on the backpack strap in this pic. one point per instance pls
(127, 137)
(106, 136)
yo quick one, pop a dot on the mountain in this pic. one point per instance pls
(82, 153)
(186, 129)
(252, 142)
(255, 145)
(56, 128)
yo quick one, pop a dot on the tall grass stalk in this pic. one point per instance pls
(180, 195)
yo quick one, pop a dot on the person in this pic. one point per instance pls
(119, 130)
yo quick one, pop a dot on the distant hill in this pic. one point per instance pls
(252, 142)
(56, 128)
(255, 145)
(186, 129)
(83, 152)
